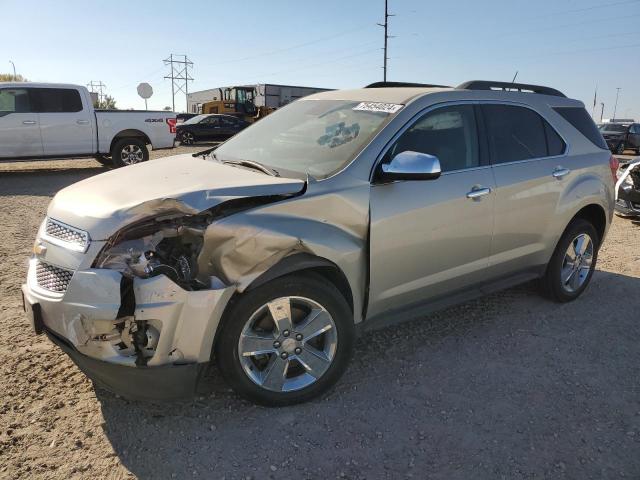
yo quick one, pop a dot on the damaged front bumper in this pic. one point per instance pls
(97, 318)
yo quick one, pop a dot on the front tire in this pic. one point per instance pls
(286, 341)
(129, 151)
(573, 262)
(620, 148)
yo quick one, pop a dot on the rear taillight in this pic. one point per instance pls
(614, 164)
(172, 125)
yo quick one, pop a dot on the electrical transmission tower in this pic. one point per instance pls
(179, 75)
(385, 25)
(97, 88)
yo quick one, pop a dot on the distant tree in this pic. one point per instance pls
(8, 77)
(167, 109)
(108, 103)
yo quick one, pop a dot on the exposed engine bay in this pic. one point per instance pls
(628, 189)
(168, 247)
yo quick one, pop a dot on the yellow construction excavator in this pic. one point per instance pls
(237, 101)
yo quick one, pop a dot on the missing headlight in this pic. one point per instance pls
(168, 247)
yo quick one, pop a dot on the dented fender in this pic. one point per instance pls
(240, 248)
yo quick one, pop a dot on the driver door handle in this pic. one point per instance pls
(82, 122)
(477, 192)
(29, 122)
(560, 172)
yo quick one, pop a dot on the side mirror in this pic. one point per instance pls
(410, 165)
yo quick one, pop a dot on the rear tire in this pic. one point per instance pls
(308, 352)
(573, 262)
(620, 148)
(129, 151)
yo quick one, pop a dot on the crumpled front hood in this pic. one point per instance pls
(105, 203)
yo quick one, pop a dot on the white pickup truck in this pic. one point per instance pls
(42, 120)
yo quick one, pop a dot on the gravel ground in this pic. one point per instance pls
(510, 386)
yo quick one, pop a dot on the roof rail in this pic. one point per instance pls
(509, 86)
(403, 84)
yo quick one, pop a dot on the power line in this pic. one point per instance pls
(385, 25)
(333, 60)
(293, 47)
(585, 9)
(179, 75)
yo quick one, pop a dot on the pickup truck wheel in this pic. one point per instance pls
(572, 264)
(286, 341)
(129, 151)
(620, 148)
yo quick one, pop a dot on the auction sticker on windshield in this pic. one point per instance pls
(378, 107)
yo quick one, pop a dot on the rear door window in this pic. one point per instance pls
(14, 100)
(57, 100)
(581, 121)
(516, 133)
(555, 144)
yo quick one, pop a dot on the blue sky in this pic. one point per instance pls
(571, 45)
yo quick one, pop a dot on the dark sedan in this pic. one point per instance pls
(621, 136)
(209, 127)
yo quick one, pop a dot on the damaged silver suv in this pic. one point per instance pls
(339, 212)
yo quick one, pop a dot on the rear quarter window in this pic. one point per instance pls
(581, 121)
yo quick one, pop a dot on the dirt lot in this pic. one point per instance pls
(510, 386)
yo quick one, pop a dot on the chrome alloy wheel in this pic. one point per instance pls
(577, 263)
(131, 154)
(288, 344)
(187, 138)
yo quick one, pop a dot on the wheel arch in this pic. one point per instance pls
(594, 214)
(129, 133)
(306, 263)
(301, 263)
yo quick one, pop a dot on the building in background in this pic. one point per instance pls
(266, 95)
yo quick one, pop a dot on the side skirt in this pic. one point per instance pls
(421, 309)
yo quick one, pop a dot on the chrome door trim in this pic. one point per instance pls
(430, 108)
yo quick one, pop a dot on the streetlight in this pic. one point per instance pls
(14, 70)
(616, 105)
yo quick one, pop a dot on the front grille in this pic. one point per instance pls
(52, 278)
(74, 238)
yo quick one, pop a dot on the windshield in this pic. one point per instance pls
(613, 127)
(315, 137)
(195, 119)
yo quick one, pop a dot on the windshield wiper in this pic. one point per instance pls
(250, 164)
(206, 152)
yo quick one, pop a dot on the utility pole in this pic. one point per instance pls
(385, 25)
(601, 111)
(615, 108)
(97, 87)
(15, 77)
(179, 75)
